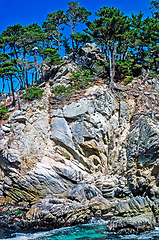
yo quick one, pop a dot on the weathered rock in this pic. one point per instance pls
(133, 216)
(132, 225)
(143, 152)
(5, 129)
(85, 152)
(100, 203)
(74, 109)
(61, 132)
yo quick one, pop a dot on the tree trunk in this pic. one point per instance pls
(8, 86)
(155, 61)
(59, 39)
(25, 70)
(12, 89)
(26, 78)
(145, 78)
(3, 85)
(32, 75)
(19, 102)
(73, 44)
(35, 63)
(112, 58)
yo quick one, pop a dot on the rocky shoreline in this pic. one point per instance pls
(64, 161)
(134, 216)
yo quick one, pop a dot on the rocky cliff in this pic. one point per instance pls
(96, 154)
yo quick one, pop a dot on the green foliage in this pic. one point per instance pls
(66, 155)
(23, 49)
(16, 212)
(53, 27)
(51, 56)
(79, 76)
(33, 92)
(154, 8)
(75, 15)
(80, 79)
(128, 80)
(3, 112)
(111, 26)
(110, 30)
(153, 74)
(126, 67)
(59, 90)
(68, 49)
(80, 39)
(100, 69)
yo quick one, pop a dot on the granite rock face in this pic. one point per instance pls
(92, 157)
(134, 216)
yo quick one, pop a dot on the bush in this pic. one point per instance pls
(81, 77)
(128, 80)
(33, 92)
(3, 112)
(100, 69)
(61, 90)
(126, 67)
(153, 74)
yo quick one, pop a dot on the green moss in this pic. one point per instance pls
(66, 155)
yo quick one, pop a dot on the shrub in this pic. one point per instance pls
(33, 92)
(128, 80)
(126, 67)
(81, 77)
(15, 211)
(58, 90)
(3, 112)
(153, 74)
(85, 75)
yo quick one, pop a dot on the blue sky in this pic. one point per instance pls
(29, 11)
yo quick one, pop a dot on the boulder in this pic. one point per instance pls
(61, 132)
(133, 216)
(76, 109)
(132, 225)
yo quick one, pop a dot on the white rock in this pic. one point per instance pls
(5, 129)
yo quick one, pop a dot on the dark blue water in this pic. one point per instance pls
(95, 230)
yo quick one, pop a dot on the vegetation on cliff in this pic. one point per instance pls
(128, 43)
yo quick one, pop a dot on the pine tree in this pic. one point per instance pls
(9, 70)
(110, 29)
(53, 27)
(154, 8)
(75, 15)
(3, 58)
(80, 39)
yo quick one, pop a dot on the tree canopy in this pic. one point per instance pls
(129, 43)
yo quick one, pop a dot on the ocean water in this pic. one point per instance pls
(95, 230)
